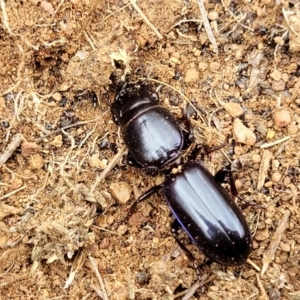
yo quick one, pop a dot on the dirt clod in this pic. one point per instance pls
(121, 191)
(36, 161)
(282, 118)
(243, 134)
(29, 148)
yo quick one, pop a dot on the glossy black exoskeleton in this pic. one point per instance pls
(208, 214)
(199, 203)
(151, 133)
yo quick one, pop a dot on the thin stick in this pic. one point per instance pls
(96, 289)
(285, 14)
(66, 127)
(10, 149)
(192, 291)
(268, 145)
(269, 255)
(113, 13)
(108, 168)
(58, 7)
(95, 269)
(13, 192)
(264, 295)
(256, 267)
(207, 26)
(5, 17)
(159, 36)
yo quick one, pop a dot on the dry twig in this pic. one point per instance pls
(13, 192)
(268, 145)
(286, 14)
(192, 291)
(256, 267)
(108, 168)
(113, 13)
(263, 169)
(264, 295)
(159, 36)
(95, 269)
(268, 256)
(64, 128)
(207, 27)
(10, 149)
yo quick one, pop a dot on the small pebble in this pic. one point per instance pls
(197, 52)
(176, 55)
(192, 75)
(256, 158)
(292, 68)
(234, 109)
(282, 118)
(96, 162)
(57, 96)
(292, 128)
(214, 66)
(242, 133)
(36, 161)
(286, 247)
(142, 278)
(203, 66)
(279, 40)
(226, 86)
(213, 15)
(94, 250)
(262, 235)
(285, 77)
(29, 148)
(48, 7)
(121, 191)
(270, 135)
(278, 85)
(104, 243)
(110, 220)
(16, 183)
(57, 141)
(276, 75)
(122, 229)
(276, 177)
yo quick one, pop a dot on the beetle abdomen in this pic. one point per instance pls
(208, 215)
(153, 137)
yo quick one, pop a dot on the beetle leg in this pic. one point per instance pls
(204, 150)
(219, 178)
(143, 197)
(188, 134)
(175, 227)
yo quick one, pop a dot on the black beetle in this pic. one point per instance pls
(200, 204)
(151, 133)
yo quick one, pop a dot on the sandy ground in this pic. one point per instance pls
(60, 199)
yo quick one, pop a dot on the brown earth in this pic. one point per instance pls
(56, 63)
